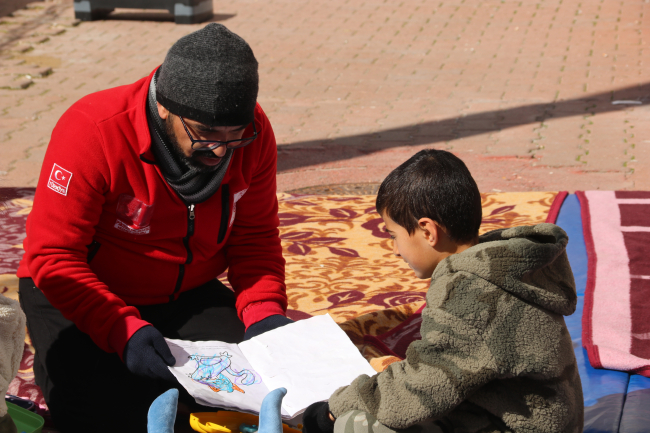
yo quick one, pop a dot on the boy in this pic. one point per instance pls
(495, 353)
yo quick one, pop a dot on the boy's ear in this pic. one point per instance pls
(430, 230)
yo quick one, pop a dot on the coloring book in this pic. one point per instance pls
(311, 359)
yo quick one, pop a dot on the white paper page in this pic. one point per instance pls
(217, 374)
(312, 358)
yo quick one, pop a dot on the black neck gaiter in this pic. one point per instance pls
(192, 185)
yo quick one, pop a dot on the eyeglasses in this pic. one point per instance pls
(214, 144)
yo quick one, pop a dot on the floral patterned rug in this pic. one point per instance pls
(339, 261)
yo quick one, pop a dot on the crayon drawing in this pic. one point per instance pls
(210, 372)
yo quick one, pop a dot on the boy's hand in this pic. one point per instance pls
(318, 419)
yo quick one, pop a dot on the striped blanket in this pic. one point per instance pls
(616, 319)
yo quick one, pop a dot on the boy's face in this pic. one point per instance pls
(416, 249)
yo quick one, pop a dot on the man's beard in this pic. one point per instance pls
(189, 161)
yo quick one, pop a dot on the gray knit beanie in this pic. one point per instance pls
(210, 76)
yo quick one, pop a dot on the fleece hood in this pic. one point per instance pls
(530, 262)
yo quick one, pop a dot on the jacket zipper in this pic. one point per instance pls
(225, 212)
(191, 216)
(186, 242)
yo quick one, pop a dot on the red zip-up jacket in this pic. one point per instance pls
(107, 231)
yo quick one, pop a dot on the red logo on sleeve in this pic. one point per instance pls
(59, 180)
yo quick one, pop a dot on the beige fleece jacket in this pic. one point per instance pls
(495, 353)
(12, 343)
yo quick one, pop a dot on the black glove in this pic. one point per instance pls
(316, 418)
(147, 354)
(264, 325)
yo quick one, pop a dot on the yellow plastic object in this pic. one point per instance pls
(226, 422)
(205, 422)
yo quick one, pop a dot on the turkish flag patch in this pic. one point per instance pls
(59, 180)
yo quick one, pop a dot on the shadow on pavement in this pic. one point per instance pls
(48, 14)
(306, 153)
(9, 6)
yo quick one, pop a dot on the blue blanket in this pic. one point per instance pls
(614, 401)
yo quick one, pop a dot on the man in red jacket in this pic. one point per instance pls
(147, 193)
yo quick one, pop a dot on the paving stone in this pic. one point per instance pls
(11, 62)
(48, 30)
(28, 71)
(21, 48)
(66, 22)
(11, 82)
(38, 5)
(10, 23)
(505, 84)
(28, 13)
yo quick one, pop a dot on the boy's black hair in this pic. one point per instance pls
(433, 184)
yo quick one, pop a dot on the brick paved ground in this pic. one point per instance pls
(527, 92)
(9, 6)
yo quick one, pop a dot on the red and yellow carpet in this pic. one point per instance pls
(339, 261)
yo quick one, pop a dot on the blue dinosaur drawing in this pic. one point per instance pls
(209, 371)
